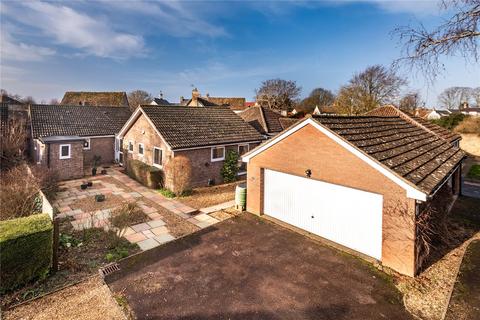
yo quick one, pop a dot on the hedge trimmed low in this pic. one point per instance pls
(26, 250)
(149, 176)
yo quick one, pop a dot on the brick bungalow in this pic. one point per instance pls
(156, 135)
(355, 181)
(67, 138)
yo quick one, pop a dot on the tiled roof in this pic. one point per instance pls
(161, 101)
(114, 99)
(189, 127)
(62, 120)
(266, 121)
(225, 101)
(389, 111)
(411, 151)
(287, 122)
(204, 102)
(7, 99)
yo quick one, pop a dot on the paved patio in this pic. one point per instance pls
(147, 235)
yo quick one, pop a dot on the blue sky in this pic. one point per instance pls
(223, 48)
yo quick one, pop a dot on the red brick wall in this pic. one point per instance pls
(202, 167)
(308, 148)
(104, 147)
(66, 168)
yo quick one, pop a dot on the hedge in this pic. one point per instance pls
(149, 176)
(26, 250)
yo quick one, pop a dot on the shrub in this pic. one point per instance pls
(167, 193)
(149, 176)
(180, 170)
(26, 247)
(469, 125)
(451, 121)
(230, 167)
(125, 216)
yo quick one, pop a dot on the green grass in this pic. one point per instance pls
(474, 172)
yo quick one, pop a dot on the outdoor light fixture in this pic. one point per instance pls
(308, 173)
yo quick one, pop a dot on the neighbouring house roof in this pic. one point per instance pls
(236, 103)
(201, 102)
(114, 99)
(187, 127)
(7, 99)
(288, 122)
(413, 153)
(63, 120)
(443, 112)
(161, 102)
(389, 111)
(265, 120)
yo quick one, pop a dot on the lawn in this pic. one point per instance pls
(474, 172)
(210, 196)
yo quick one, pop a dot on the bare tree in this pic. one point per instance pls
(422, 48)
(410, 101)
(54, 101)
(138, 97)
(476, 95)
(319, 97)
(369, 89)
(278, 94)
(13, 144)
(453, 97)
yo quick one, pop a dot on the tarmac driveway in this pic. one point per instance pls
(250, 268)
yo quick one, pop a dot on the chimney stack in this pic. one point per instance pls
(195, 96)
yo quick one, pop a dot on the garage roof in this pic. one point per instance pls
(413, 153)
(391, 111)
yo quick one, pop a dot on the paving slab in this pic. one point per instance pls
(164, 238)
(156, 223)
(148, 244)
(159, 230)
(140, 227)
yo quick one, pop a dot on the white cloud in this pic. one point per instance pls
(71, 28)
(180, 19)
(19, 51)
(418, 7)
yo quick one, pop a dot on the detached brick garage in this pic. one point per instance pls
(345, 178)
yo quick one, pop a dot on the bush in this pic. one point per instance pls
(167, 193)
(451, 121)
(230, 167)
(149, 176)
(469, 125)
(125, 216)
(26, 250)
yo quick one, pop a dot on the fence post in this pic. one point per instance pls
(56, 238)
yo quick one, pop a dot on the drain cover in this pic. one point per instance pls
(108, 269)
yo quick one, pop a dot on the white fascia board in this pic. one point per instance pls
(412, 192)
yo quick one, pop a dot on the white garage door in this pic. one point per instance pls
(347, 216)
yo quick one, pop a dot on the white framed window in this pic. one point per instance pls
(157, 156)
(65, 151)
(141, 149)
(242, 149)
(217, 154)
(86, 144)
(130, 146)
